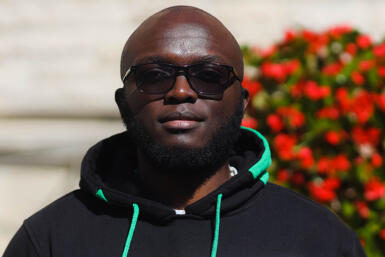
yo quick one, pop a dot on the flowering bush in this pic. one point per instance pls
(320, 100)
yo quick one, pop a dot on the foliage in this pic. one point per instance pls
(320, 100)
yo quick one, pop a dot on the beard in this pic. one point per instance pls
(174, 160)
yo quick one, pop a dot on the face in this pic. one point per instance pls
(181, 118)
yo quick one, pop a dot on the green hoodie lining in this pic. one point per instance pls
(100, 195)
(265, 161)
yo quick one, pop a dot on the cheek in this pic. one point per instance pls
(137, 101)
(229, 103)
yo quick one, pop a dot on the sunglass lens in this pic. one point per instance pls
(154, 78)
(209, 79)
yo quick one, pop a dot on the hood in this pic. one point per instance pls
(108, 172)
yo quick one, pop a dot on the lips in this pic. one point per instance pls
(180, 120)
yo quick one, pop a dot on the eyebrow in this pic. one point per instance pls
(161, 59)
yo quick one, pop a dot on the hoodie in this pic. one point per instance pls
(246, 216)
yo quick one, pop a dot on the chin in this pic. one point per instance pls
(185, 139)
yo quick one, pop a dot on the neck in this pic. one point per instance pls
(178, 190)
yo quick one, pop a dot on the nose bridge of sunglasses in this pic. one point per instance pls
(182, 85)
(181, 79)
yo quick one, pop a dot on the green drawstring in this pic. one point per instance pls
(216, 231)
(135, 216)
(134, 219)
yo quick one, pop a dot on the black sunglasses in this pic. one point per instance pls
(208, 80)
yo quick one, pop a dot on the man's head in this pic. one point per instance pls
(181, 127)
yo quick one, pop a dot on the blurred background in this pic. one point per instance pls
(59, 68)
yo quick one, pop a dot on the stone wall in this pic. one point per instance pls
(59, 66)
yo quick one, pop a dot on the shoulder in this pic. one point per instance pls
(274, 194)
(62, 207)
(31, 239)
(285, 208)
(66, 213)
(299, 223)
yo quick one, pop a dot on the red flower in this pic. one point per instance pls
(324, 91)
(363, 209)
(366, 65)
(283, 175)
(329, 112)
(289, 35)
(291, 66)
(381, 71)
(252, 86)
(342, 97)
(323, 165)
(284, 146)
(279, 71)
(338, 31)
(249, 122)
(309, 35)
(317, 43)
(274, 70)
(333, 137)
(275, 123)
(351, 48)
(340, 163)
(295, 118)
(379, 51)
(382, 234)
(324, 191)
(376, 160)
(314, 92)
(331, 183)
(362, 106)
(305, 156)
(357, 78)
(296, 90)
(363, 41)
(311, 90)
(332, 69)
(374, 189)
(381, 102)
(370, 136)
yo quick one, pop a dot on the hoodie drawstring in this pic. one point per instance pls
(135, 216)
(217, 223)
(134, 219)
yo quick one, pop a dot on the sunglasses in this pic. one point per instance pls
(208, 80)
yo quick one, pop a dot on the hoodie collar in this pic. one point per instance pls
(109, 174)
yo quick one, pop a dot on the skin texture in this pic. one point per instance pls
(180, 35)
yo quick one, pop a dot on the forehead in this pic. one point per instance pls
(181, 44)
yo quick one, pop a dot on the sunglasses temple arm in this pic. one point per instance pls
(126, 74)
(236, 75)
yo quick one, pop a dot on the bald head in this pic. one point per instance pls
(182, 34)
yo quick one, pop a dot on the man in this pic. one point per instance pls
(184, 180)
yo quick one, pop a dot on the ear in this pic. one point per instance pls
(245, 96)
(119, 97)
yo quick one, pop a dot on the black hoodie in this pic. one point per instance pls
(244, 217)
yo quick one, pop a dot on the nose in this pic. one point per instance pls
(181, 92)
